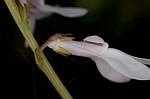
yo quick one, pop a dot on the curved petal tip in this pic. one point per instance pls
(126, 65)
(65, 11)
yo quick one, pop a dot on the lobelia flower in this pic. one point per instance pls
(112, 64)
(41, 10)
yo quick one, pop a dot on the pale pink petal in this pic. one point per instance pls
(104, 68)
(142, 60)
(42, 10)
(108, 72)
(38, 13)
(32, 24)
(126, 65)
(64, 11)
(94, 39)
(81, 48)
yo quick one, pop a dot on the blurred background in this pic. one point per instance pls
(123, 24)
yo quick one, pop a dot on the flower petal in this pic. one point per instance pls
(108, 72)
(94, 39)
(142, 60)
(79, 48)
(31, 21)
(126, 65)
(64, 11)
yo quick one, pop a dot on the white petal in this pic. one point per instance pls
(79, 48)
(142, 60)
(37, 13)
(126, 65)
(64, 11)
(108, 72)
(94, 39)
(32, 24)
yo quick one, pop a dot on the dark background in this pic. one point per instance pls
(123, 24)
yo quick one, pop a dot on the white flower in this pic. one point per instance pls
(42, 10)
(113, 64)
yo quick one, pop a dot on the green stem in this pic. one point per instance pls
(41, 60)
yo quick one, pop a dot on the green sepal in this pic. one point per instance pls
(63, 51)
(30, 5)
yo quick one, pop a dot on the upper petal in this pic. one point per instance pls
(126, 65)
(94, 39)
(64, 11)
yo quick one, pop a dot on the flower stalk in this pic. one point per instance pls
(19, 14)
